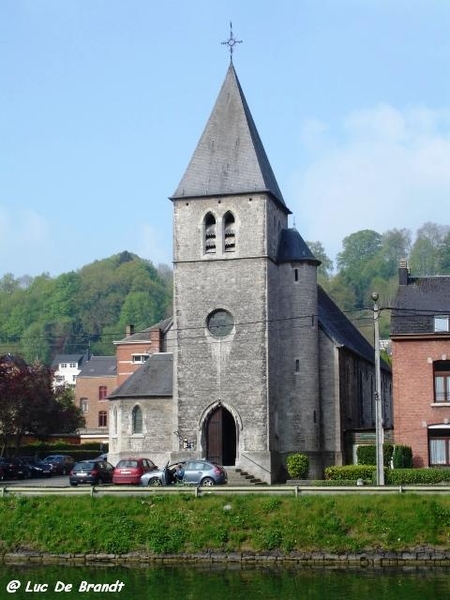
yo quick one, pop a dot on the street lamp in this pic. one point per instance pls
(379, 435)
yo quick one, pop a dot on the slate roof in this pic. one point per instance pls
(292, 247)
(418, 302)
(99, 366)
(153, 379)
(341, 330)
(230, 157)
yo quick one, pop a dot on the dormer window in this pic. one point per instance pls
(229, 232)
(441, 324)
(210, 234)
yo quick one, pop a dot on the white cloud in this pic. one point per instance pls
(382, 169)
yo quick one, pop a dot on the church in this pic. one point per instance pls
(257, 362)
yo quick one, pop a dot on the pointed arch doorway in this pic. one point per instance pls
(221, 437)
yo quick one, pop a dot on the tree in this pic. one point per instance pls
(29, 405)
(444, 255)
(325, 269)
(395, 245)
(354, 262)
(425, 253)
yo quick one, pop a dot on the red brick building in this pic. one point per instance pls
(421, 367)
(96, 380)
(135, 348)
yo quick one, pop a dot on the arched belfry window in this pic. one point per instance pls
(136, 419)
(229, 232)
(210, 234)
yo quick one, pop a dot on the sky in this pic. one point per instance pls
(102, 103)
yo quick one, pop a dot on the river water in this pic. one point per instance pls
(220, 583)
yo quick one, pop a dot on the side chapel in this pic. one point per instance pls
(257, 362)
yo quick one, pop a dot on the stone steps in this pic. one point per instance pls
(238, 477)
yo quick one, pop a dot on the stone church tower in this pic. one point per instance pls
(246, 355)
(257, 362)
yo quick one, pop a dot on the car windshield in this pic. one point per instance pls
(84, 466)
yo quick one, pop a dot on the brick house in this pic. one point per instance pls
(420, 336)
(96, 380)
(135, 348)
(264, 364)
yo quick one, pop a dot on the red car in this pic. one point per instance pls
(130, 470)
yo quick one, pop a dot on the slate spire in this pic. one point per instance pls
(230, 157)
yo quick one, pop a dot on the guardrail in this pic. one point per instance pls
(224, 490)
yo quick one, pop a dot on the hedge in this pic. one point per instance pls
(367, 455)
(351, 473)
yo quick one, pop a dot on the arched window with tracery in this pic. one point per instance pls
(210, 234)
(229, 232)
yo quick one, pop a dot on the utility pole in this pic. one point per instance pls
(378, 403)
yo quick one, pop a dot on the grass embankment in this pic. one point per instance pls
(185, 524)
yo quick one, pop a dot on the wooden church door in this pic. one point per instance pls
(221, 437)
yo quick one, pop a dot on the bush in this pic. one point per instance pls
(350, 473)
(297, 466)
(367, 455)
(417, 476)
(402, 457)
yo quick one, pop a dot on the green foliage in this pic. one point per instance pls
(428, 254)
(297, 466)
(417, 476)
(402, 457)
(350, 472)
(43, 317)
(29, 404)
(367, 454)
(152, 524)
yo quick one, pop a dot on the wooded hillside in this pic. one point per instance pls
(90, 308)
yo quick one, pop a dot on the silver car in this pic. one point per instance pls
(195, 472)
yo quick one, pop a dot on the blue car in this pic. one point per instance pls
(195, 472)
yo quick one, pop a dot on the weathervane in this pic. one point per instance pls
(231, 42)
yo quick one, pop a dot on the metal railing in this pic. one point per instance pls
(224, 490)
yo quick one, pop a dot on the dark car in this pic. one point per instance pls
(14, 468)
(195, 472)
(130, 470)
(61, 463)
(93, 472)
(38, 468)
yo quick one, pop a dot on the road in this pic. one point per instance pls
(55, 481)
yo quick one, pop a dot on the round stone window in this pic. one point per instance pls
(220, 322)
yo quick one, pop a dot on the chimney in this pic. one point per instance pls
(403, 272)
(129, 330)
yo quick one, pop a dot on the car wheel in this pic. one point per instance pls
(208, 481)
(154, 481)
(73, 484)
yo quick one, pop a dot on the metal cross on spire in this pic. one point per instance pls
(231, 42)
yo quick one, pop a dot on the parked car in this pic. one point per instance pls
(38, 468)
(14, 468)
(196, 472)
(61, 463)
(130, 470)
(93, 472)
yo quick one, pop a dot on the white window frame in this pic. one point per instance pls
(441, 323)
